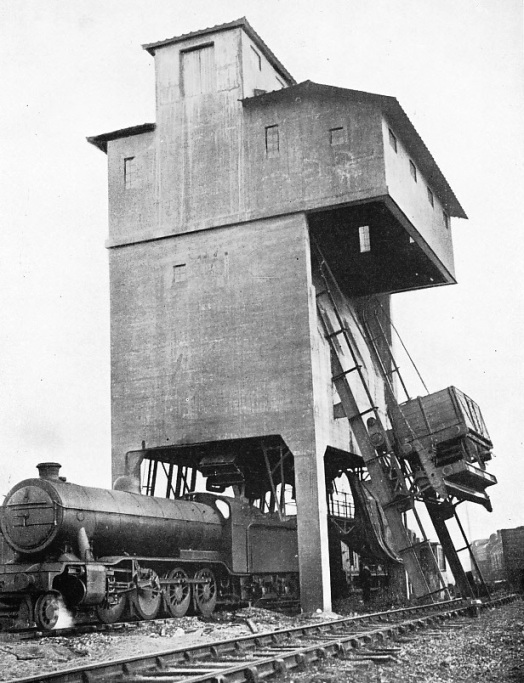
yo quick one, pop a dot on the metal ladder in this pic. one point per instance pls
(438, 513)
(386, 474)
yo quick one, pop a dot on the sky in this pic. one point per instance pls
(75, 68)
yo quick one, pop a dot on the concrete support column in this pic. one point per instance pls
(313, 547)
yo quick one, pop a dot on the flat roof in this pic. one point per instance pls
(395, 115)
(238, 23)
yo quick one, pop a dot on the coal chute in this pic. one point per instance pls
(369, 533)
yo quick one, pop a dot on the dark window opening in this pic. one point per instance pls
(446, 219)
(130, 173)
(272, 141)
(431, 199)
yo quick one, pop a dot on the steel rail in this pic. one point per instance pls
(252, 658)
(94, 627)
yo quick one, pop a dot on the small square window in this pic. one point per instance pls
(445, 218)
(364, 238)
(337, 136)
(130, 173)
(413, 170)
(431, 199)
(392, 139)
(257, 58)
(272, 141)
(179, 273)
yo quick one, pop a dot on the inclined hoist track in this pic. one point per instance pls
(262, 656)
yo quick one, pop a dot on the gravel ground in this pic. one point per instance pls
(489, 648)
(20, 658)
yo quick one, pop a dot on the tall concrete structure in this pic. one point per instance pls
(215, 332)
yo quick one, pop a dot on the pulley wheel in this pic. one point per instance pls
(205, 592)
(47, 611)
(147, 599)
(110, 613)
(178, 596)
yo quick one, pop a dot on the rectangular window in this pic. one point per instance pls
(272, 141)
(130, 173)
(179, 273)
(337, 136)
(413, 170)
(392, 139)
(364, 238)
(445, 218)
(256, 58)
(198, 70)
(431, 199)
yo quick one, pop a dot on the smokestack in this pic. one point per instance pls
(49, 470)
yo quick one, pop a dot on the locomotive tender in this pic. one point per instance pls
(123, 553)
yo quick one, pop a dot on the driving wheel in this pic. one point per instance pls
(147, 598)
(178, 595)
(47, 611)
(205, 592)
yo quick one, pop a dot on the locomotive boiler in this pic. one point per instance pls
(123, 553)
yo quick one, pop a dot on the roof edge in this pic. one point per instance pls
(237, 23)
(101, 140)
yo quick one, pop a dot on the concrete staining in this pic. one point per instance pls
(214, 328)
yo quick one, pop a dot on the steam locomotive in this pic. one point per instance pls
(120, 553)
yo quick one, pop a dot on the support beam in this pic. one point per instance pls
(313, 546)
(450, 552)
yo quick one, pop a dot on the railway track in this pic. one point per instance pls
(261, 656)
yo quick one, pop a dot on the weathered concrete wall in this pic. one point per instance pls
(208, 164)
(132, 210)
(210, 337)
(412, 198)
(310, 171)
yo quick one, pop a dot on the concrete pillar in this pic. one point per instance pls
(313, 548)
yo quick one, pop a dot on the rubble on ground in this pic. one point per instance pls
(486, 648)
